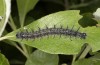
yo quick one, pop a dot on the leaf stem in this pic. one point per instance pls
(81, 5)
(15, 45)
(24, 51)
(5, 37)
(84, 53)
(66, 4)
(21, 51)
(74, 58)
(12, 24)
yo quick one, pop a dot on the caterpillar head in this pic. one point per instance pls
(83, 35)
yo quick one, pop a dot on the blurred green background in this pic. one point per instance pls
(42, 8)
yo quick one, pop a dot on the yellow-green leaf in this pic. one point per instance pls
(3, 60)
(63, 44)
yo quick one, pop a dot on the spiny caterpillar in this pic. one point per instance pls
(51, 31)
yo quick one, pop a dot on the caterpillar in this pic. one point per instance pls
(51, 31)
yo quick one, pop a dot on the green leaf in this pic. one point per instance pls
(87, 20)
(63, 44)
(97, 63)
(4, 14)
(95, 60)
(96, 56)
(24, 6)
(3, 60)
(42, 58)
(83, 62)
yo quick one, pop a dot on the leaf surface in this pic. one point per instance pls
(95, 60)
(4, 14)
(41, 58)
(3, 60)
(24, 6)
(63, 44)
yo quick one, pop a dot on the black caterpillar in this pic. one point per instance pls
(51, 31)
